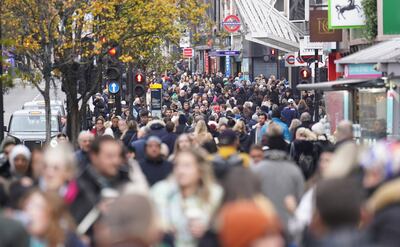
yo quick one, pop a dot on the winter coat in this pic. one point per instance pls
(169, 139)
(174, 209)
(155, 169)
(90, 185)
(129, 137)
(385, 205)
(279, 178)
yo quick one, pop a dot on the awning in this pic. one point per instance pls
(265, 25)
(384, 52)
(342, 85)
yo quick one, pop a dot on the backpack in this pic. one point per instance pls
(222, 166)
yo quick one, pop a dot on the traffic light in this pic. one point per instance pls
(139, 85)
(305, 75)
(273, 54)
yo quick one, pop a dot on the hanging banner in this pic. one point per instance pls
(345, 14)
(319, 28)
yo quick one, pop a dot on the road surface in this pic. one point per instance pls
(17, 96)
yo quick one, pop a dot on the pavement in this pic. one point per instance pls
(15, 98)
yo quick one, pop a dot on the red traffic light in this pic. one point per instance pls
(139, 78)
(103, 40)
(273, 52)
(305, 73)
(112, 52)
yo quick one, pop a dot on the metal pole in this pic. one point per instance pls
(316, 79)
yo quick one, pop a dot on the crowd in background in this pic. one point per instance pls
(230, 163)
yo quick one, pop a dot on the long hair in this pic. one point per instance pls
(60, 221)
(240, 127)
(201, 128)
(206, 173)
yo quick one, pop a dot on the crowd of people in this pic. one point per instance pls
(229, 164)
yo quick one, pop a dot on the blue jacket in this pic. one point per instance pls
(285, 128)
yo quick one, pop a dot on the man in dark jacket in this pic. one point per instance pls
(170, 138)
(115, 128)
(337, 215)
(85, 140)
(105, 173)
(153, 165)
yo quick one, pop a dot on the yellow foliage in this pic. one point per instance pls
(55, 31)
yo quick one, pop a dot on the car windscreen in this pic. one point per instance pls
(54, 108)
(32, 123)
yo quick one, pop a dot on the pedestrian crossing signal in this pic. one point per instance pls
(305, 74)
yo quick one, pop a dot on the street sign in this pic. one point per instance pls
(223, 53)
(188, 52)
(293, 60)
(156, 100)
(227, 66)
(308, 48)
(113, 87)
(231, 23)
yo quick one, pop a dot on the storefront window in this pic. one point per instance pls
(372, 114)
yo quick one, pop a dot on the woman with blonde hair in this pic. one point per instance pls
(188, 199)
(244, 138)
(59, 173)
(201, 134)
(182, 143)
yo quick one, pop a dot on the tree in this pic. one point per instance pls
(65, 39)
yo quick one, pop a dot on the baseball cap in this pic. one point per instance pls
(290, 101)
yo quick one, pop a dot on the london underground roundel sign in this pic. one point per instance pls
(231, 23)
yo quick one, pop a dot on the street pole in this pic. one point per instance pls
(316, 79)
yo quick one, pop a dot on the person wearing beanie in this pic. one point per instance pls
(20, 157)
(154, 166)
(245, 224)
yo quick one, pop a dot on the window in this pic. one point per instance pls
(32, 124)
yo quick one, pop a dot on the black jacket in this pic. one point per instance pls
(169, 139)
(155, 170)
(90, 185)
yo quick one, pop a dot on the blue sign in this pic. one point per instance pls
(224, 53)
(113, 87)
(227, 66)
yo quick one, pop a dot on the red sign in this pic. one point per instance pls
(231, 23)
(206, 63)
(291, 60)
(188, 52)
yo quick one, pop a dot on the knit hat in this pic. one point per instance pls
(19, 150)
(242, 223)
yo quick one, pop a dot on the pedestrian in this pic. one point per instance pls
(99, 128)
(188, 199)
(85, 140)
(46, 211)
(228, 154)
(131, 221)
(244, 223)
(244, 138)
(154, 166)
(60, 172)
(20, 158)
(130, 134)
(170, 137)
(201, 134)
(280, 178)
(276, 118)
(106, 172)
